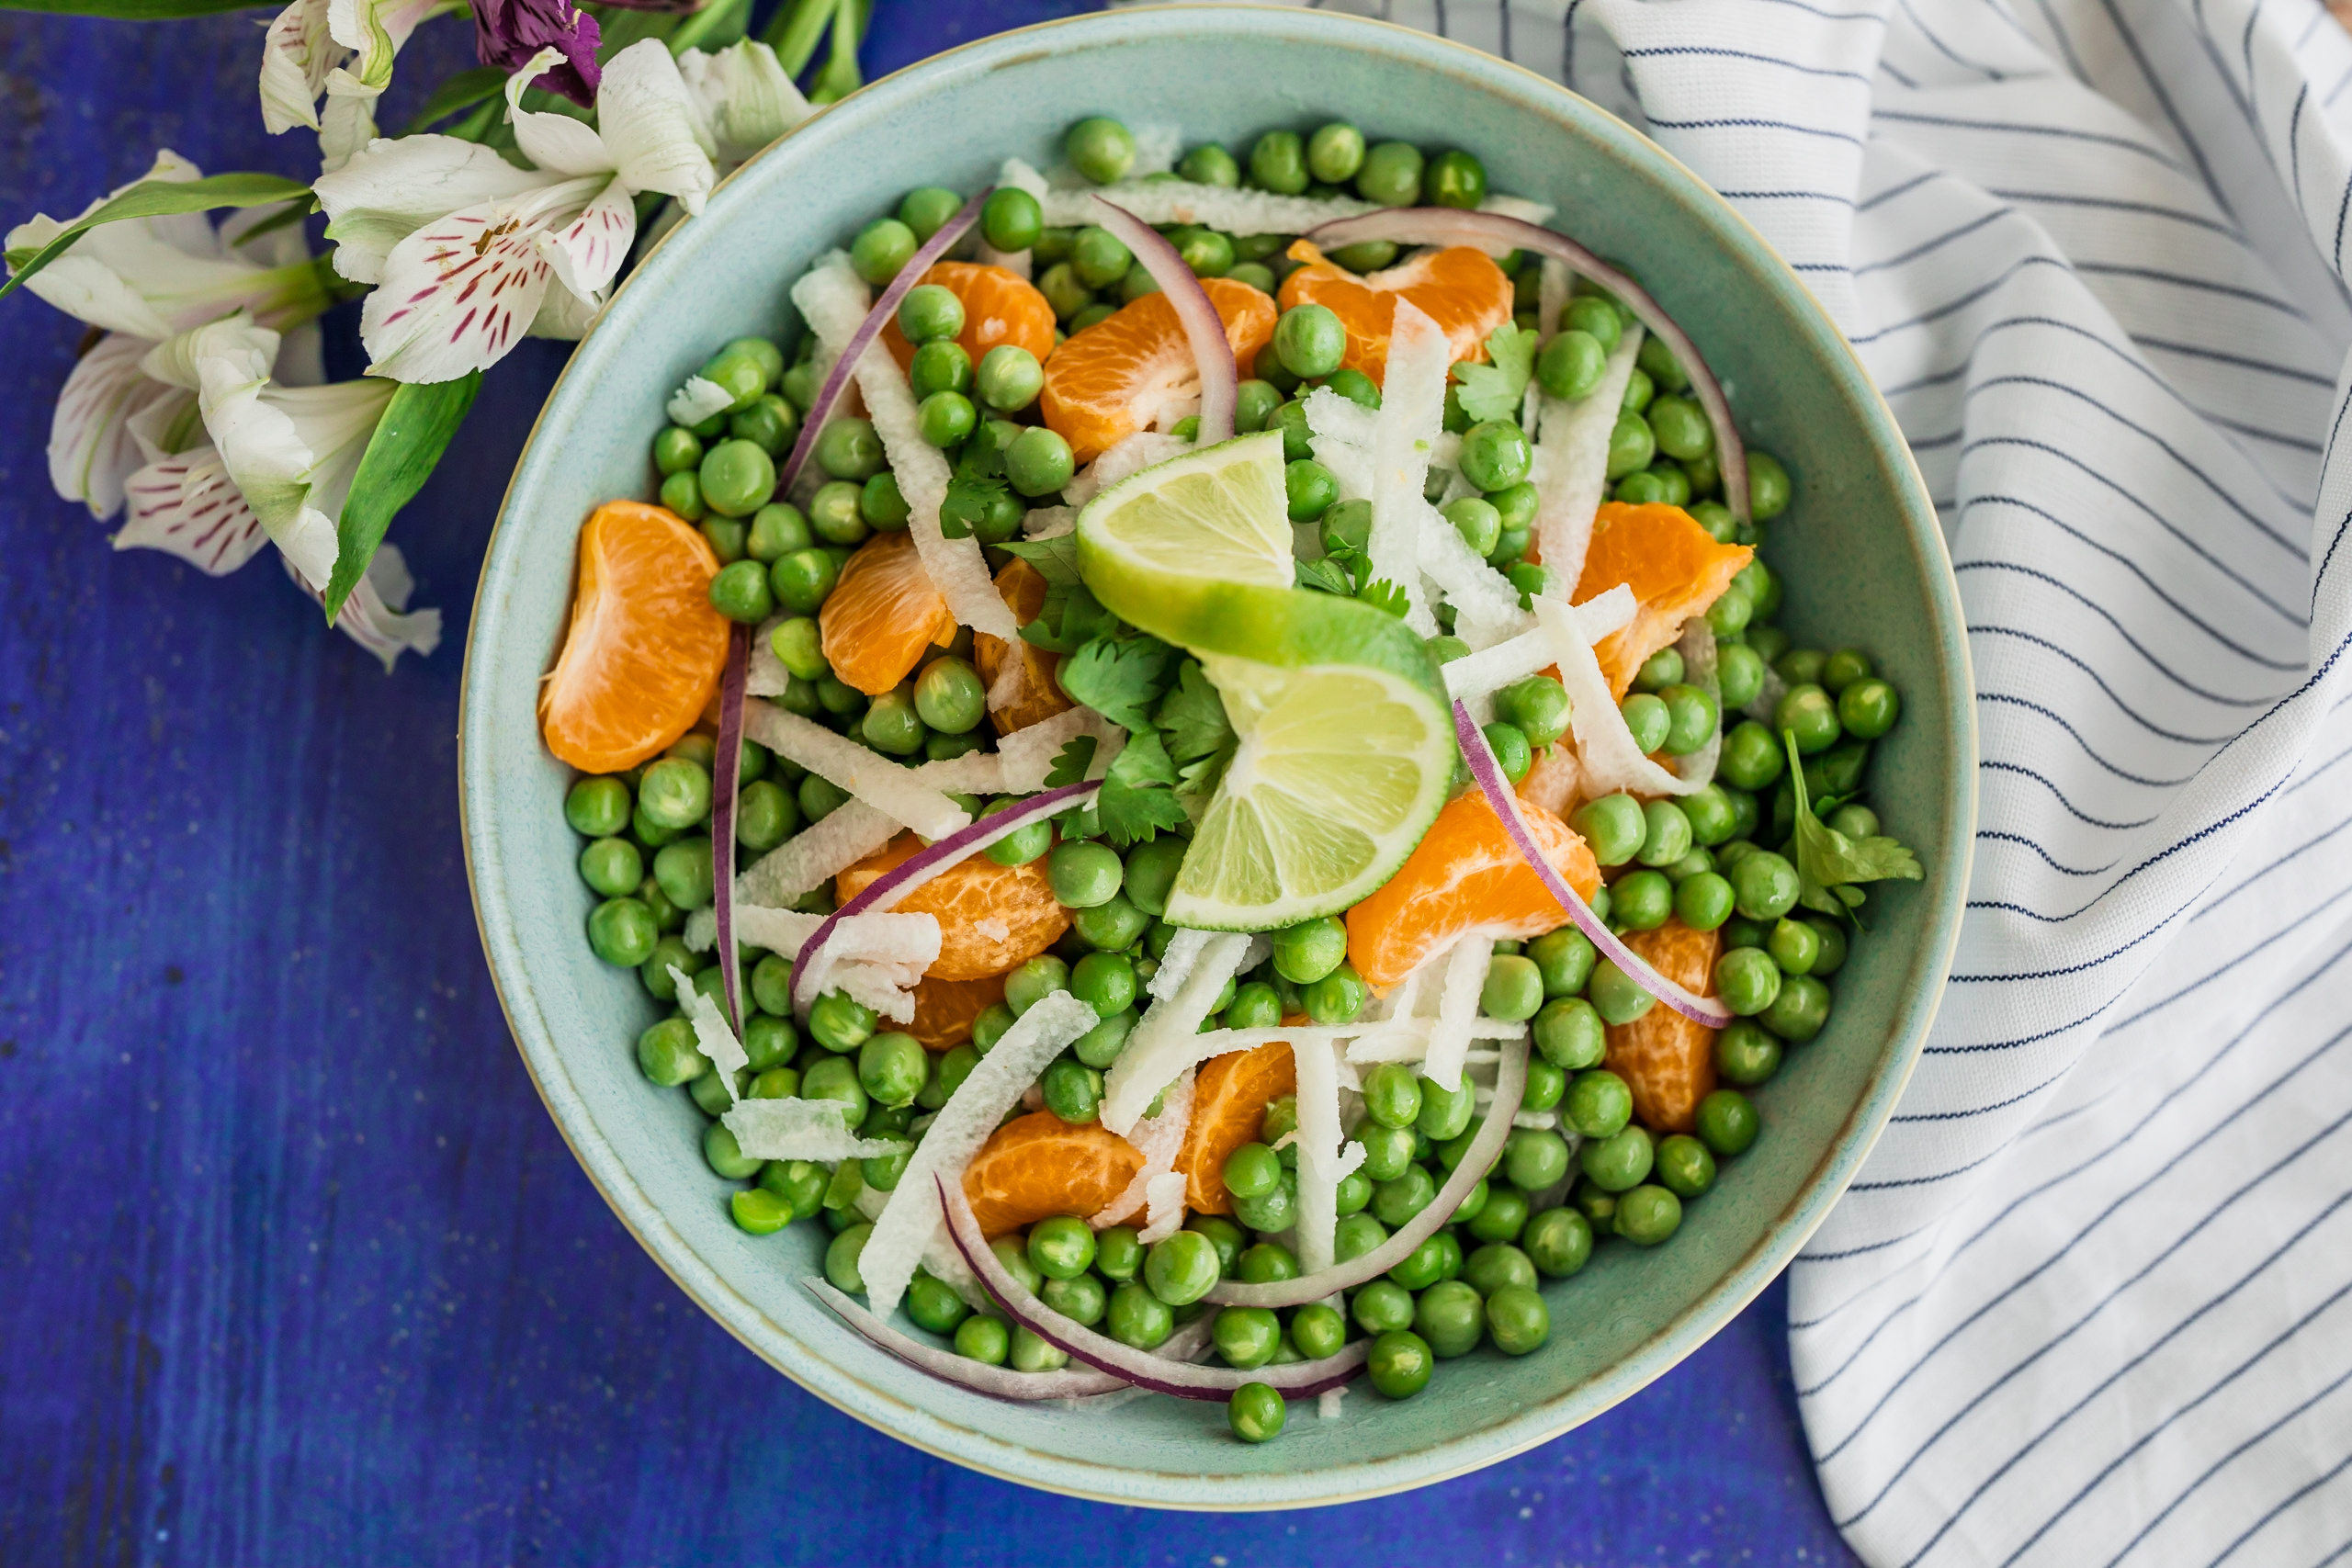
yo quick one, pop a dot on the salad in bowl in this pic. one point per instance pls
(1203, 772)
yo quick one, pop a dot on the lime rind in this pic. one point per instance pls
(1156, 540)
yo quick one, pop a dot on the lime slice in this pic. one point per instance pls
(1346, 753)
(1150, 546)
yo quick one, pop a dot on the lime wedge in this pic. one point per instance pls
(1151, 544)
(1346, 753)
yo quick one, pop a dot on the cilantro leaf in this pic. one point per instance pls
(1137, 801)
(1071, 762)
(966, 505)
(1120, 677)
(1056, 559)
(1829, 863)
(1196, 781)
(1383, 594)
(1069, 619)
(1194, 716)
(1495, 391)
(1326, 576)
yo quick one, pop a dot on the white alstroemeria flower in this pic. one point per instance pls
(291, 451)
(373, 615)
(154, 276)
(343, 50)
(145, 281)
(744, 96)
(493, 252)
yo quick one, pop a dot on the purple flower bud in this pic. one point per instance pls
(508, 32)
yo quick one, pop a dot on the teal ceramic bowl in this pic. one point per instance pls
(1860, 551)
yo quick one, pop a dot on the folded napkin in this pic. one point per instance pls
(2090, 1300)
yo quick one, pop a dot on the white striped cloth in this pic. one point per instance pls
(2090, 1302)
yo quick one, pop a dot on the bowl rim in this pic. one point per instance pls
(1354, 1480)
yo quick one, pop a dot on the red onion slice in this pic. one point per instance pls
(725, 774)
(1145, 1368)
(812, 418)
(1449, 226)
(1071, 1382)
(1489, 774)
(1212, 350)
(1511, 1089)
(924, 864)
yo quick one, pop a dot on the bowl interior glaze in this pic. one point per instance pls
(1864, 565)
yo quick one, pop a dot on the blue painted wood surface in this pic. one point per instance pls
(296, 1269)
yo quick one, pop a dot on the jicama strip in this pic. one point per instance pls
(1050, 522)
(1159, 201)
(1027, 755)
(816, 854)
(1489, 669)
(1159, 1139)
(1164, 1041)
(1014, 261)
(697, 400)
(1322, 1167)
(873, 778)
(1457, 1009)
(957, 1133)
(1574, 444)
(1609, 756)
(832, 299)
(1341, 434)
(1184, 950)
(1123, 459)
(1761, 708)
(1164, 1195)
(1412, 409)
(1698, 649)
(712, 1037)
(768, 676)
(814, 1130)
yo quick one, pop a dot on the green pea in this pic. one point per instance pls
(1748, 980)
(1665, 834)
(1752, 756)
(667, 1055)
(1355, 1235)
(1800, 1011)
(984, 1338)
(839, 1023)
(1038, 462)
(1252, 1171)
(1392, 1095)
(821, 797)
(1391, 174)
(1364, 255)
(1181, 1268)
(1728, 616)
(1011, 220)
(1451, 1317)
(1034, 980)
(1598, 1104)
(1867, 708)
(1084, 873)
(611, 866)
(1642, 488)
(1613, 826)
(1512, 755)
(847, 448)
(1023, 844)
(946, 419)
(1619, 1163)
(1808, 713)
(1278, 163)
(1100, 148)
(1497, 1266)
(1387, 1150)
(670, 952)
(1534, 1158)
(1747, 1054)
(934, 1305)
(597, 807)
(1033, 1353)
(1423, 1269)
(892, 725)
(1256, 1411)
(1310, 341)
(621, 933)
(1691, 717)
(1514, 990)
(1307, 951)
(1395, 1202)
(676, 451)
(1105, 982)
(1114, 925)
(1765, 884)
(1768, 486)
(1445, 1112)
(1712, 516)
(1456, 179)
(881, 249)
(1316, 1328)
(1247, 1338)
(1566, 957)
(1539, 705)
(1793, 945)
(1648, 1215)
(1558, 1242)
(1335, 999)
(741, 592)
(1727, 1123)
(1510, 548)
(1680, 426)
(1381, 1306)
(1572, 365)
(724, 1156)
(1061, 1248)
(1150, 872)
(1066, 292)
(1496, 454)
(1704, 902)
(1740, 673)
(1138, 283)
(1256, 1005)
(1072, 1090)
(1631, 445)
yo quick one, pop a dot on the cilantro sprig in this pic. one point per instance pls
(1495, 391)
(1829, 864)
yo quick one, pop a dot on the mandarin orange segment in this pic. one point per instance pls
(1668, 1061)
(644, 651)
(1037, 691)
(1123, 373)
(999, 306)
(1459, 288)
(991, 916)
(1673, 565)
(1465, 872)
(1038, 1165)
(1229, 1097)
(883, 615)
(945, 1009)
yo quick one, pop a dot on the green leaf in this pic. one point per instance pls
(1325, 576)
(130, 10)
(713, 28)
(1120, 678)
(157, 199)
(795, 31)
(1496, 390)
(1828, 860)
(1383, 594)
(1136, 802)
(460, 93)
(1194, 716)
(1068, 620)
(1071, 762)
(1056, 559)
(841, 76)
(292, 212)
(409, 440)
(1198, 781)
